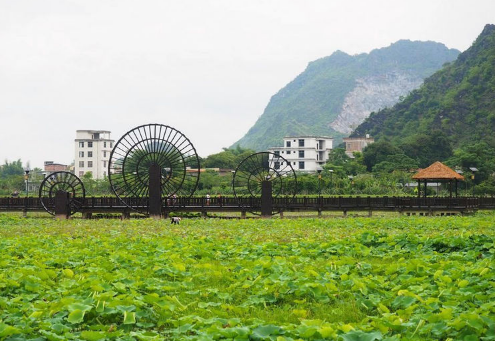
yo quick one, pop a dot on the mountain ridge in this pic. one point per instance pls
(457, 100)
(309, 104)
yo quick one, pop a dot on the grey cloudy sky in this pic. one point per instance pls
(205, 67)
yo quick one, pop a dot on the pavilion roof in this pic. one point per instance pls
(437, 171)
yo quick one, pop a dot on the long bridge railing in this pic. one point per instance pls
(202, 204)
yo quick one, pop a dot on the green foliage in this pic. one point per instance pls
(378, 152)
(415, 278)
(487, 187)
(12, 168)
(453, 109)
(11, 177)
(96, 187)
(396, 162)
(478, 155)
(337, 157)
(223, 159)
(307, 104)
(426, 149)
(227, 159)
(212, 182)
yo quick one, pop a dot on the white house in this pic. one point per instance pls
(305, 153)
(92, 152)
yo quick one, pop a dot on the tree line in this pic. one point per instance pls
(383, 168)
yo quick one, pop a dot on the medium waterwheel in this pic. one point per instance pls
(62, 182)
(262, 177)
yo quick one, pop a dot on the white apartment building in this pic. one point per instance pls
(92, 152)
(305, 153)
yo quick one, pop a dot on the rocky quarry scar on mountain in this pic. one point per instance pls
(336, 93)
(372, 94)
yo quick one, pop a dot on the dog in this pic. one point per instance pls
(175, 220)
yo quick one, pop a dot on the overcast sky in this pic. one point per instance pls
(205, 67)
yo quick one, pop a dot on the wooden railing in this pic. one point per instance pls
(113, 204)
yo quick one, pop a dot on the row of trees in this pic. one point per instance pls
(422, 150)
(382, 169)
(12, 177)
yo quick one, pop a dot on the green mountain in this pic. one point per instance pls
(457, 102)
(336, 93)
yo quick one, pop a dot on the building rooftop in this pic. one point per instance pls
(437, 171)
(308, 136)
(94, 131)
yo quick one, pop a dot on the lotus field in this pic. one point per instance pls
(381, 278)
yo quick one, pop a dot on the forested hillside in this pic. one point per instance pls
(336, 93)
(457, 102)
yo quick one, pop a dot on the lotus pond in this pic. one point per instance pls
(383, 278)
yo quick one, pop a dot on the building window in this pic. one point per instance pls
(288, 152)
(90, 144)
(90, 154)
(276, 152)
(90, 164)
(96, 136)
(81, 164)
(104, 153)
(105, 164)
(301, 164)
(104, 144)
(301, 154)
(277, 165)
(301, 143)
(104, 173)
(287, 144)
(111, 144)
(81, 173)
(81, 154)
(81, 144)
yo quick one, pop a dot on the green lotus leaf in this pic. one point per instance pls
(92, 335)
(76, 316)
(79, 306)
(6, 330)
(129, 317)
(358, 335)
(264, 332)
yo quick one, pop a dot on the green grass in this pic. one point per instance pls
(379, 278)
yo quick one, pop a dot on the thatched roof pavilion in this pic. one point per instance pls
(437, 172)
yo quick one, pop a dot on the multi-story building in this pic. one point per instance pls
(356, 144)
(93, 149)
(305, 153)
